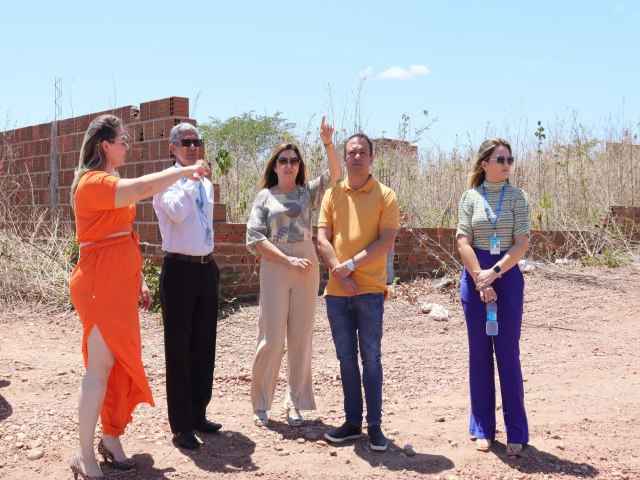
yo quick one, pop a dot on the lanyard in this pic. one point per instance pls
(486, 206)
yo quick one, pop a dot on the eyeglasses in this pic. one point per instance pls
(187, 142)
(501, 159)
(120, 141)
(293, 161)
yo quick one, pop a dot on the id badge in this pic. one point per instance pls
(494, 245)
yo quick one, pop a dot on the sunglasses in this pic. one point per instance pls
(187, 142)
(501, 159)
(293, 161)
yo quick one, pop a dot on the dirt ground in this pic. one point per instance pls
(580, 359)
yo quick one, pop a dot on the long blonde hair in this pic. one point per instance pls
(92, 156)
(476, 177)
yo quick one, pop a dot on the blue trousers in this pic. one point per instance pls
(354, 321)
(510, 291)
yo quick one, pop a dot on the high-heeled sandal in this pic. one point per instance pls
(76, 469)
(108, 457)
(294, 418)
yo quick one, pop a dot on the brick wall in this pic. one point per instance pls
(627, 219)
(42, 173)
(418, 252)
(31, 160)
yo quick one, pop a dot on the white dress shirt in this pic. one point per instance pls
(181, 222)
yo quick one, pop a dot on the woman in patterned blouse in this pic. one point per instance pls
(493, 235)
(280, 230)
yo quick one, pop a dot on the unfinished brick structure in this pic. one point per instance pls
(42, 172)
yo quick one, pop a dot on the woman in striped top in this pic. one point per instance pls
(493, 235)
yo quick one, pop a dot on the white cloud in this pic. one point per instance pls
(403, 73)
(366, 73)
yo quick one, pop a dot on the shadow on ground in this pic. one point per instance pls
(224, 452)
(5, 407)
(394, 460)
(221, 452)
(532, 460)
(145, 469)
(309, 430)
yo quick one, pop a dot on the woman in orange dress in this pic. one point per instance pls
(105, 287)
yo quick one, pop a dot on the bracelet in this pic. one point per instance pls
(327, 144)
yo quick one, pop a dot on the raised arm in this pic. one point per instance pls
(133, 190)
(326, 134)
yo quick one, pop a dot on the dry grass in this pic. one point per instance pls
(34, 261)
(571, 175)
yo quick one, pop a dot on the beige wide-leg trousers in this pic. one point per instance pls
(287, 306)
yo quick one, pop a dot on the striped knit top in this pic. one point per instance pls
(513, 219)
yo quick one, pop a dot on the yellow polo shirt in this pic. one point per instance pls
(355, 217)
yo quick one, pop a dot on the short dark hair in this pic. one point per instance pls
(362, 136)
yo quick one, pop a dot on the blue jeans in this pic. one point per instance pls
(358, 320)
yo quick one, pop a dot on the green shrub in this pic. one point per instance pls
(609, 257)
(71, 251)
(152, 276)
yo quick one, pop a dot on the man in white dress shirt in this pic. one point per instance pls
(188, 291)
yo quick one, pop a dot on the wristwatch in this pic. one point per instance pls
(497, 269)
(351, 265)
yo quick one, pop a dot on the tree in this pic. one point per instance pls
(239, 147)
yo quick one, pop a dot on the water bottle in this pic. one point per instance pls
(492, 318)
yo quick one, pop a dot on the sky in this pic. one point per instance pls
(476, 67)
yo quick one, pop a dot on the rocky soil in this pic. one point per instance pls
(580, 355)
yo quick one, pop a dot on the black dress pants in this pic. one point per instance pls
(189, 298)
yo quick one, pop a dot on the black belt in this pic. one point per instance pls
(190, 258)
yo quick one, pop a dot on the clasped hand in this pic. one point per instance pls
(341, 271)
(349, 285)
(300, 263)
(484, 278)
(488, 294)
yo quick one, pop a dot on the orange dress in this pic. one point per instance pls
(105, 286)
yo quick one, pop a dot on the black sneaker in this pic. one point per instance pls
(376, 438)
(345, 432)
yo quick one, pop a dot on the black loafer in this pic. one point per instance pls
(206, 426)
(186, 440)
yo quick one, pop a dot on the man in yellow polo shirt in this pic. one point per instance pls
(357, 228)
